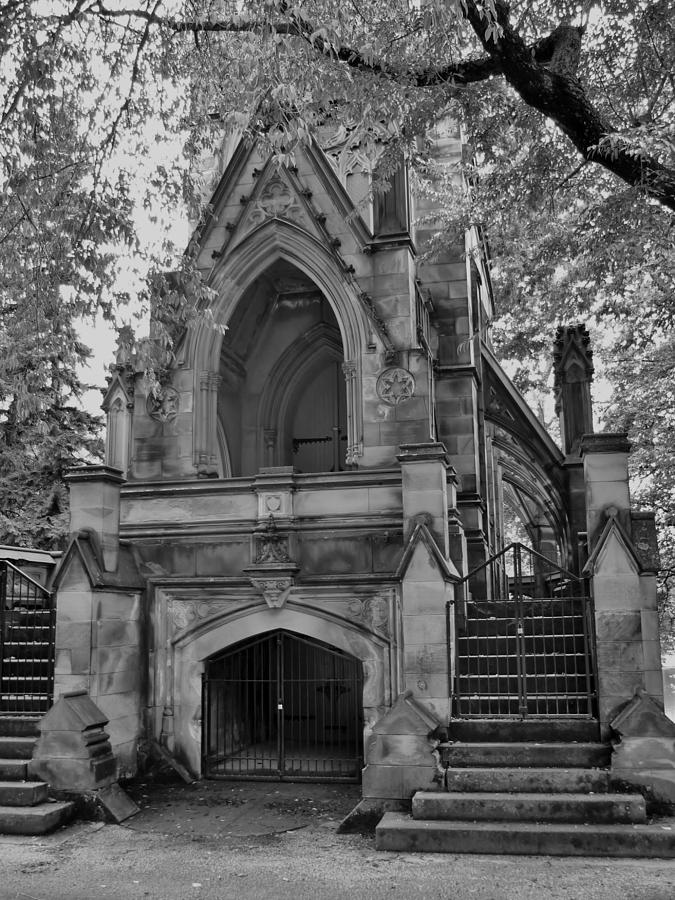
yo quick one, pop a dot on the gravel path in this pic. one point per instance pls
(216, 841)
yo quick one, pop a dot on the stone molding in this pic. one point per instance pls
(607, 442)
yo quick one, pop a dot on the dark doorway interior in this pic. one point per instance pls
(281, 706)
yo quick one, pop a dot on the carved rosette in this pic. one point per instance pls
(373, 612)
(395, 385)
(275, 201)
(185, 613)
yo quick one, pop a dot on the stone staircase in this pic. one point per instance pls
(27, 660)
(25, 807)
(526, 796)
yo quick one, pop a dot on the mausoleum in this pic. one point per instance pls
(339, 538)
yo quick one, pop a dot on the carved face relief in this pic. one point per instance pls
(395, 385)
(165, 407)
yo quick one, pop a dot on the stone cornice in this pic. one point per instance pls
(606, 442)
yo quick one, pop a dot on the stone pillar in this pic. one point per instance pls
(426, 572)
(624, 587)
(206, 426)
(424, 478)
(95, 506)
(605, 458)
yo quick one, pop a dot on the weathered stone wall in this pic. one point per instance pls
(98, 649)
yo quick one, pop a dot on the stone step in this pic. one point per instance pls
(32, 683)
(16, 747)
(19, 726)
(534, 626)
(530, 807)
(13, 769)
(520, 730)
(530, 780)
(574, 683)
(23, 793)
(521, 755)
(509, 644)
(488, 705)
(17, 665)
(35, 819)
(29, 704)
(400, 832)
(485, 664)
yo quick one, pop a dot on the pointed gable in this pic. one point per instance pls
(254, 191)
(276, 195)
(422, 555)
(614, 552)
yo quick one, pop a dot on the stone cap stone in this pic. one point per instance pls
(607, 442)
(406, 716)
(75, 711)
(641, 717)
(423, 452)
(98, 472)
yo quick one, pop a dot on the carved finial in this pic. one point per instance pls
(573, 370)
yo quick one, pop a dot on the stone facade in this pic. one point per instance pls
(331, 462)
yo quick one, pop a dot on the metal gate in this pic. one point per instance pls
(283, 707)
(27, 621)
(523, 641)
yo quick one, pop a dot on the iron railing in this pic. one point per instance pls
(523, 642)
(27, 626)
(281, 706)
(321, 454)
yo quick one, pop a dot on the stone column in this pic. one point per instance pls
(624, 588)
(424, 477)
(95, 506)
(206, 425)
(605, 458)
(427, 574)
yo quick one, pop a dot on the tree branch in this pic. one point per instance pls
(558, 95)
(562, 99)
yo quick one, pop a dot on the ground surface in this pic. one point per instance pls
(247, 841)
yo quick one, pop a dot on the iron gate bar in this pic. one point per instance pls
(524, 645)
(27, 626)
(272, 710)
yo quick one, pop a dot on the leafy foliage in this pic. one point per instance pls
(567, 106)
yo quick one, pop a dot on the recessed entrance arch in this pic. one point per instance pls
(282, 706)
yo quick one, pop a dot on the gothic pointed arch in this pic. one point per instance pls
(276, 242)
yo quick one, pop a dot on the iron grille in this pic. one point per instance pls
(523, 640)
(283, 707)
(27, 623)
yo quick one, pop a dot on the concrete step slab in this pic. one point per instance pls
(400, 832)
(520, 731)
(20, 726)
(519, 755)
(23, 793)
(13, 769)
(531, 780)
(16, 747)
(34, 819)
(523, 807)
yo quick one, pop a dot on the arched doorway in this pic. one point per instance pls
(319, 426)
(283, 395)
(282, 706)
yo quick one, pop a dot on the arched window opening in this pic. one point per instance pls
(390, 208)
(283, 398)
